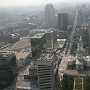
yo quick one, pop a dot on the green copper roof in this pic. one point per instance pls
(79, 51)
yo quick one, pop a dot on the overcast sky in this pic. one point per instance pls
(33, 2)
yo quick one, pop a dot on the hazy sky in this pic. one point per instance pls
(33, 2)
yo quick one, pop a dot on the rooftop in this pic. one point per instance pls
(79, 62)
(61, 40)
(22, 55)
(28, 85)
(79, 51)
(45, 57)
(38, 36)
(22, 44)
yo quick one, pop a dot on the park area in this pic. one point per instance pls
(70, 82)
(78, 83)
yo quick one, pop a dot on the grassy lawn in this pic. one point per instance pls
(68, 80)
(78, 83)
(78, 86)
(86, 52)
(86, 83)
(78, 80)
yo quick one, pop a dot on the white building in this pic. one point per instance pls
(79, 59)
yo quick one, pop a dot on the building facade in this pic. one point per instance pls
(49, 40)
(46, 72)
(37, 43)
(80, 17)
(79, 60)
(63, 21)
(85, 31)
(8, 68)
(49, 16)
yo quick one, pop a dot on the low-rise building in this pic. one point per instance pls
(22, 50)
(23, 58)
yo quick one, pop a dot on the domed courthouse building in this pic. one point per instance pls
(79, 60)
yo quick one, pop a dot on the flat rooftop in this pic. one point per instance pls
(28, 85)
(45, 57)
(38, 36)
(22, 44)
(61, 42)
(38, 30)
(22, 55)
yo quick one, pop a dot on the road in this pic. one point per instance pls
(74, 28)
(63, 65)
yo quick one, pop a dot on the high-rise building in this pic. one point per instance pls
(49, 39)
(54, 34)
(63, 21)
(46, 72)
(84, 31)
(80, 17)
(37, 43)
(8, 68)
(49, 16)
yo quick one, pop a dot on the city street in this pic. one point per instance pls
(63, 65)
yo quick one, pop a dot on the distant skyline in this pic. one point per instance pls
(9, 3)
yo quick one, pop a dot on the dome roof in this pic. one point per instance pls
(79, 51)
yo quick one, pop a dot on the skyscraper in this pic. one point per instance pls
(49, 39)
(80, 17)
(46, 72)
(63, 21)
(49, 16)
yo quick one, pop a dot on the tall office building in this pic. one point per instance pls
(80, 17)
(54, 34)
(49, 16)
(49, 39)
(63, 21)
(8, 68)
(46, 72)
